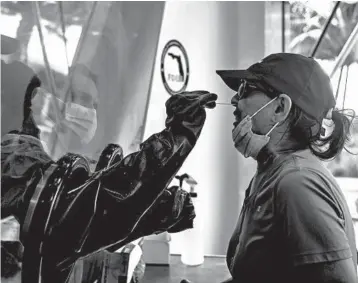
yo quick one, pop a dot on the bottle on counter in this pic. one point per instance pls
(193, 252)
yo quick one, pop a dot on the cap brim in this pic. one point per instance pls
(232, 78)
(9, 45)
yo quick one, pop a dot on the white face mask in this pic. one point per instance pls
(46, 111)
(82, 120)
(246, 142)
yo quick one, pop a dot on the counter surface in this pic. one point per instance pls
(213, 270)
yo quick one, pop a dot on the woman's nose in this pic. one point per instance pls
(235, 100)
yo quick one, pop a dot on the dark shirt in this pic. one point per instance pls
(294, 214)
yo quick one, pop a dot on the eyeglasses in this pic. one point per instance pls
(246, 88)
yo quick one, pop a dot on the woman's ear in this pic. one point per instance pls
(283, 108)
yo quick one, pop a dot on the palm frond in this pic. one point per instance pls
(321, 10)
(307, 35)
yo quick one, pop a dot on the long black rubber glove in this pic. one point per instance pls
(130, 188)
(172, 212)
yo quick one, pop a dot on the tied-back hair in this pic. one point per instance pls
(308, 132)
(28, 125)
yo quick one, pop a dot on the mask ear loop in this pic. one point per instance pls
(268, 103)
(269, 132)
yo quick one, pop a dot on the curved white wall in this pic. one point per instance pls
(216, 35)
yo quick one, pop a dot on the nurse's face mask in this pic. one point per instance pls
(46, 110)
(246, 141)
(82, 120)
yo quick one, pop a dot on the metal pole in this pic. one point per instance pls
(79, 48)
(63, 27)
(326, 25)
(347, 48)
(339, 83)
(345, 88)
(36, 10)
(283, 27)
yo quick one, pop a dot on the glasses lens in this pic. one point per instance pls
(246, 88)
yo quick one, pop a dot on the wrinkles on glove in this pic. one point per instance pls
(129, 189)
(185, 120)
(127, 197)
(172, 212)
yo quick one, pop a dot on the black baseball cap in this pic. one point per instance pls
(298, 76)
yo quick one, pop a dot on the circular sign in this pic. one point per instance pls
(174, 67)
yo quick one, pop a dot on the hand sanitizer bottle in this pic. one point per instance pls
(193, 253)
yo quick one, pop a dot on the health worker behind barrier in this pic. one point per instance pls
(42, 128)
(44, 136)
(66, 126)
(22, 152)
(294, 225)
